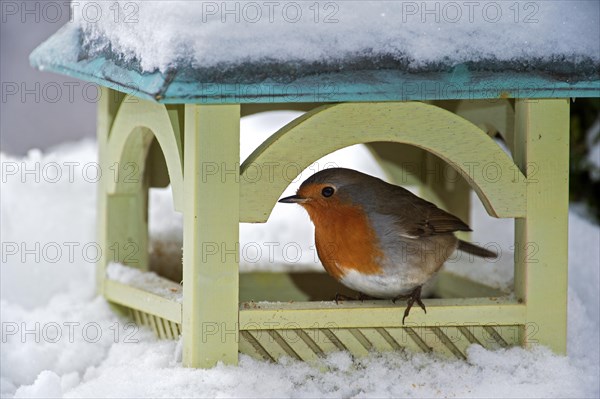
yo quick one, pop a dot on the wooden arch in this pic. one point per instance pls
(493, 175)
(136, 124)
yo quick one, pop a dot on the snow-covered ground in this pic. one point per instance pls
(60, 339)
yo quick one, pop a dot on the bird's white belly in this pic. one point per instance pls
(381, 285)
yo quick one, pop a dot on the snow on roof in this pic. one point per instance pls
(161, 35)
(316, 51)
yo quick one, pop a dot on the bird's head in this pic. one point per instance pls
(332, 190)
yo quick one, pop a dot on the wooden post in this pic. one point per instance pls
(123, 187)
(541, 239)
(211, 229)
(107, 209)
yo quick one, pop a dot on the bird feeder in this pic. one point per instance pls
(182, 128)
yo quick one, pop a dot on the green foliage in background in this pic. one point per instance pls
(584, 175)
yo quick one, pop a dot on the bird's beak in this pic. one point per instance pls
(293, 199)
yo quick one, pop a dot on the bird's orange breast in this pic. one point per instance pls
(345, 239)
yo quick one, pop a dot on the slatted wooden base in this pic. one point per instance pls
(290, 325)
(309, 344)
(163, 328)
(312, 343)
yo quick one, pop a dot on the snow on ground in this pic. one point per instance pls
(164, 34)
(83, 349)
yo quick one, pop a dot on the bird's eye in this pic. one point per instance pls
(327, 191)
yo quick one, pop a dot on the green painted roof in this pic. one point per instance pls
(360, 80)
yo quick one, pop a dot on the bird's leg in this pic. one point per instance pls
(342, 297)
(361, 297)
(414, 296)
(364, 297)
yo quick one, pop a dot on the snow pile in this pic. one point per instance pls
(152, 368)
(68, 335)
(59, 339)
(47, 213)
(159, 35)
(149, 369)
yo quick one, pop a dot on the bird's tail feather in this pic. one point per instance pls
(476, 250)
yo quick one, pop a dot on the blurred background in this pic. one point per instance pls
(38, 110)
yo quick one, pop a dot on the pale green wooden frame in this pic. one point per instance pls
(215, 328)
(153, 121)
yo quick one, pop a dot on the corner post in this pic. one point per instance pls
(541, 238)
(211, 235)
(107, 108)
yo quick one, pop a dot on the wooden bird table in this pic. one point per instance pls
(183, 128)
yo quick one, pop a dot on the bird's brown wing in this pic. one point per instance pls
(417, 217)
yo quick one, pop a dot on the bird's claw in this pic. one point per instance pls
(414, 296)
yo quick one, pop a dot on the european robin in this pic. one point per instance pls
(377, 238)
